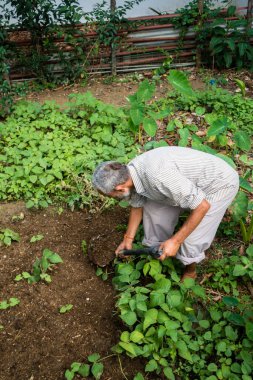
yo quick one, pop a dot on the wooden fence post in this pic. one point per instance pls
(113, 48)
(200, 24)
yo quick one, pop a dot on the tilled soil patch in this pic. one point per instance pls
(37, 342)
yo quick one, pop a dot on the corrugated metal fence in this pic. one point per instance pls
(150, 40)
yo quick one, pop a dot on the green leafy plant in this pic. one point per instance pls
(7, 304)
(140, 113)
(40, 268)
(102, 273)
(65, 309)
(36, 238)
(176, 329)
(94, 368)
(7, 236)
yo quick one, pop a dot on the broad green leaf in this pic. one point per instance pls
(93, 357)
(151, 366)
(245, 185)
(199, 291)
(150, 126)
(4, 305)
(236, 319)
(14, 301)
(239, 206)
(138, 376)
(168, 373)
(150, 318)
(242, 140)
(69, 375)
(174, 298)
(84, 370)
(183, 350)
(230, 301)
(137, 115)
(156, 298)
(212, 367)
(163, 285)
(129, 318)
(97, 370)
(218, 126)
(204, 323)
(184, 135)
(231, 333)
(200, 111)
(145, 91)
(249, 329)
(129, 347)
(136, 336)
(239, 270)
(180, 82)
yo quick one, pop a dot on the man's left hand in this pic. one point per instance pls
(170, 248)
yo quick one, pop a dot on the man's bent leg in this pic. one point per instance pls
(159, 222)
(193, 248)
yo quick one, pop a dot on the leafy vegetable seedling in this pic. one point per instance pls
(36, 238)
(40, 267)
(12, 302)
(95, 369)
(7, 236)
(66, 308)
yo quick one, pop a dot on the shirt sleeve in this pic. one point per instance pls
(137, 200)
(178, 188)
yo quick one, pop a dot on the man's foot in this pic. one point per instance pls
(188, 275)
(190, 272)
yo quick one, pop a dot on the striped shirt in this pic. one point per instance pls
(180, 177)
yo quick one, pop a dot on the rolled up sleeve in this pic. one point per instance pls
(137, 200)
(179, 189)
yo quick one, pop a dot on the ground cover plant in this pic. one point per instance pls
(179, 330)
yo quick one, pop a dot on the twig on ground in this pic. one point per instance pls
(120, 365)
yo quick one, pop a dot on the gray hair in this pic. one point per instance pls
(108, 175)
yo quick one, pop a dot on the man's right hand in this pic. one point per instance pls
(125, 244)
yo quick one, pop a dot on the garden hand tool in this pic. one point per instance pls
(155, 252)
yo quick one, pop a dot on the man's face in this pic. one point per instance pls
(121, 194)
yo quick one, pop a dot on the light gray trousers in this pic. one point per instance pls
(160, 220)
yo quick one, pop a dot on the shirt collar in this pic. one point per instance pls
(136, 179)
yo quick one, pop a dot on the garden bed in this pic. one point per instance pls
(37, 341)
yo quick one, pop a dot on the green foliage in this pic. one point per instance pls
(94, 369)
(65, 309)
(40, 268)
(49, 154)
(7, 236)
(7, 304)
(224, 42)
(177, 328)
(36, 238)
(102, 273)
(141, 113)
(180, 82)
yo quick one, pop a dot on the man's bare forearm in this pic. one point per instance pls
(135, 218)
(192, 222)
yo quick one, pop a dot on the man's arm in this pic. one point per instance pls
(135, 218)
(171, 246)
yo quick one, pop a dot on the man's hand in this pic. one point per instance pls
(125, 244)
(170, 248)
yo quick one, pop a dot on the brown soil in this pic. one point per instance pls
(113, 93)
(39, 343)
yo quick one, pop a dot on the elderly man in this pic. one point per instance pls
(159, 185)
